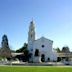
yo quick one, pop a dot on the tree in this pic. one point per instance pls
(5, 50)
(65, 49)
(58, 50)
(24, 49)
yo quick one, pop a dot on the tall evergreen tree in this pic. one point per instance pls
(5, 50)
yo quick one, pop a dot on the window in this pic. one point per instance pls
(48, 59)
(37, 52)
(31, 49)
(43, 46)
(31, 35)
(43, 58)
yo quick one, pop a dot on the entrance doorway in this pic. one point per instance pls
(43, 58)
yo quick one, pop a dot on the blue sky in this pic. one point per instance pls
(53, 19)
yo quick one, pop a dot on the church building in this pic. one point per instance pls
(40, 50)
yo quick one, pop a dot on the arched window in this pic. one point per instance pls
(31, 35)
(36, 52)
(48, 59)
(43, 58)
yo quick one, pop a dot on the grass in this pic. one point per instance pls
(34, 69)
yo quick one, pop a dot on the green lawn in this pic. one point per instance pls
(34, 69)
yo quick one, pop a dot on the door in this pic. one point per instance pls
(43, 58)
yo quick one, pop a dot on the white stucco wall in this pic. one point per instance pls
(54, 55)
(46, 50)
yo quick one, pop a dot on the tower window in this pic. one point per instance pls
(31, 49)
(42, 46)
(31, 35)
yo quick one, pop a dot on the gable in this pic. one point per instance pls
(43, 39)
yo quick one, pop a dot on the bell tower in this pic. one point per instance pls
(31, 38)
(31, 33)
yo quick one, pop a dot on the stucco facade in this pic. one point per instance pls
(42, 45)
